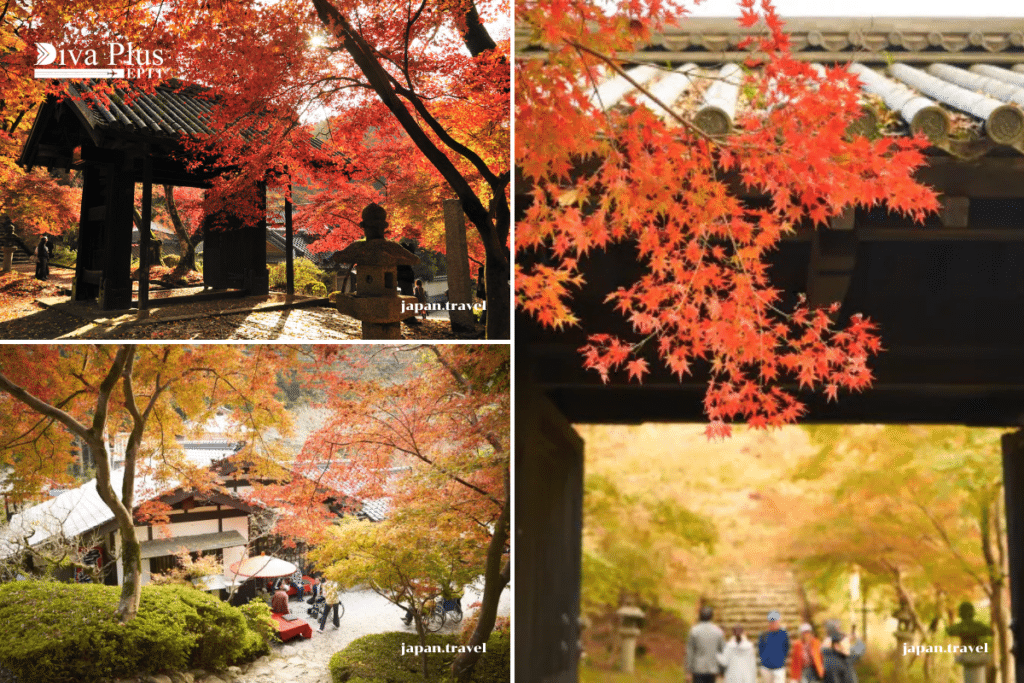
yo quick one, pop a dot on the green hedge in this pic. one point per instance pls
(69, 632)
(309, 279)
(378, 657)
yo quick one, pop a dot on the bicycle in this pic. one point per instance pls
(434, 620)
(319, 603)
(437, 615)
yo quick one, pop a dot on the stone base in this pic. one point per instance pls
(382, 330)
(8, 259)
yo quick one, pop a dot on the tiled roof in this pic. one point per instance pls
(376, 510)
(881, 39)
(959, 82)
(196, 543)
(170, 110)
(80, 510)
(322, 259)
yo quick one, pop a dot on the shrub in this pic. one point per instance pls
(307, 277)
(257, 614)
(64, 255)
(69, 632)
(315, 289)
(379, 657)
(171, 260)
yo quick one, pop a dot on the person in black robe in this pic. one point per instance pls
(44, 251)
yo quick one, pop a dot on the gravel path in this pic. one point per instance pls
(305, 661)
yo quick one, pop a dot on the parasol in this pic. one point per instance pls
(263, 567)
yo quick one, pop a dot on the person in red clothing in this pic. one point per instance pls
(806, 665)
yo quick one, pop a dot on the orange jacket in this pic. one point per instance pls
(799, 659)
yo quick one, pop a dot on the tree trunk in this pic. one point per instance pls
(421, 630)
(131, 557)
(495, 580)
(496, 274)
(999, 594)
(186, 244)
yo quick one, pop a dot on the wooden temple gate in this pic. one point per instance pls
(133, 137)
(948, 298)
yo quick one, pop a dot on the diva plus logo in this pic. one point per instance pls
(114, 60)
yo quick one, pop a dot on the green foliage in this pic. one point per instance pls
(308, 278)
(380, 657)
(64, 256)
(69, 632)
(631, 543)
(171, 260)
(403, 558)
(257, 615)
(646, 670)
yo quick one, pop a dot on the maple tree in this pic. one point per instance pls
(920, 511)
(53, 395)
(34, 200)
(655, 180)
(415, 94)
(406, 560)
(440, 415)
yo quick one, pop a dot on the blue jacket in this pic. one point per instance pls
(772, 647)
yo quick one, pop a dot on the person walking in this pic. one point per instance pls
(836, 658)
(738, 658)
(43, 252)
(706, 640)
(772, 649)
(806, 664)
(852, 647)
(331, 600)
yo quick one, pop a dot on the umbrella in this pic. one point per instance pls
(263, 567)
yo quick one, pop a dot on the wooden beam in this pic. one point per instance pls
(833, 257)
(144, 231)
(953, 211)
(289, 243)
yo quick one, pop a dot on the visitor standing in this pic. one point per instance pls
(738, 658)
(772, 649)
(421, 297)
(43, 252)
(702, 647)
(297, 581)
(806, 664)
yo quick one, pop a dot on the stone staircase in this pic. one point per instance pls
(746, 598)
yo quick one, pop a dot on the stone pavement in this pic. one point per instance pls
(305, 660)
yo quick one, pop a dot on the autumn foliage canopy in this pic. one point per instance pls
(274, 69)
(658, 182)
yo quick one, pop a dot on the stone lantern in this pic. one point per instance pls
(376, 301)
(970, 632)
(631, 620)
(9, 242)
(904, 635)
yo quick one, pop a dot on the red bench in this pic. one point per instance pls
(287, 630)
(307, 583)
